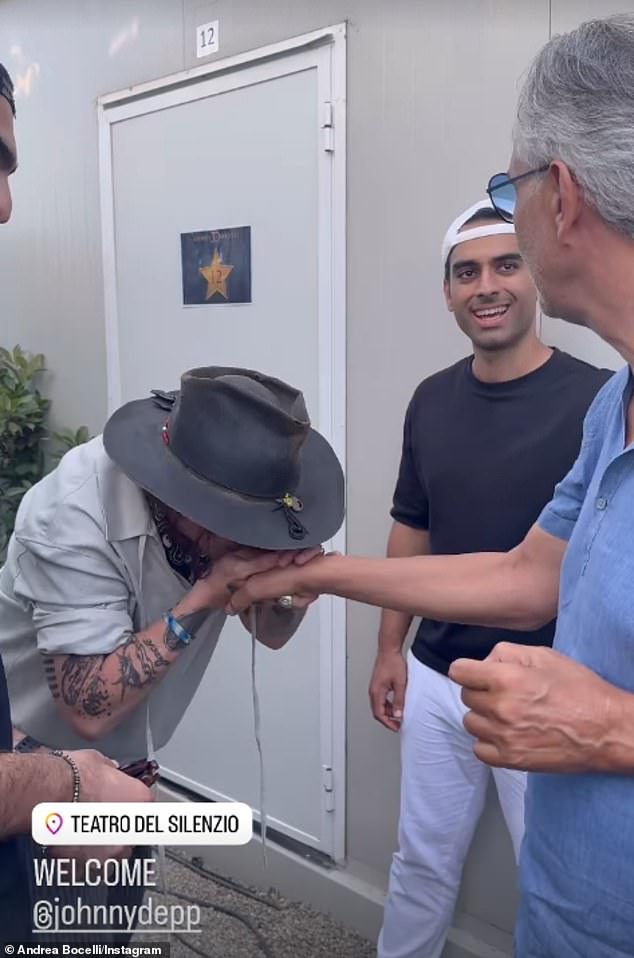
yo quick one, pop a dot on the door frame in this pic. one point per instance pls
(325, 50)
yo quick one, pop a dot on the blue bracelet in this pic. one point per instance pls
(183, 636)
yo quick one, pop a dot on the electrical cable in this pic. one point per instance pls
(257, 726)
(262, 943)
(222, 880)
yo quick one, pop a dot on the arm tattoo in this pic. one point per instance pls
(51, 675)
(85, 688)
(28, 744)
(96, 700)
(138, 664)
(191, 622)
(171, 641)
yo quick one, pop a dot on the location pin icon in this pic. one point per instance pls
(54, 822)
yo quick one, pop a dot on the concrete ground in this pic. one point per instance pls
(254, 925)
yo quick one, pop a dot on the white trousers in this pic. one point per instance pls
(443, 791)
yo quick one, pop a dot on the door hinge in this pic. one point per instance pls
(328, 785)
(327, 128)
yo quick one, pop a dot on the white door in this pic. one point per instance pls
(254, 142)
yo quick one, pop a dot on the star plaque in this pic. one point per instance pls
(216, 266)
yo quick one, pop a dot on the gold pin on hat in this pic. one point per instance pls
(291, 502)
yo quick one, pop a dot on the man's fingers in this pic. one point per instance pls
(265, 586)
(285, 558)
(488, 753)
(510, 654)
(301, 602)
(247, 553)
(480, 728)
(473, 674)
(307, 555)
(398, 700)
(478, 725)
(262, 563)
(268, 584)
(384, 710)
(252, 561)
(381, 710)
(491, 675)
(238, 602)
(377, 699)
(393, 725)
(478, 700)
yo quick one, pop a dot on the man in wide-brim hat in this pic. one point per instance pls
(120, 567)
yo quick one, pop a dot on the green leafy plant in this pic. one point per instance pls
(23, 433)
(67, 439)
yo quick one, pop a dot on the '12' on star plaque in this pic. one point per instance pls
(216, 266)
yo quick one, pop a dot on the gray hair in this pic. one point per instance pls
(577, 105)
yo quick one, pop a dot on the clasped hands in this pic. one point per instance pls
(247, 576)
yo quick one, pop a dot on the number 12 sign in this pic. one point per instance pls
(207, 39)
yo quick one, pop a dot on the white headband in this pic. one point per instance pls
(453, 236)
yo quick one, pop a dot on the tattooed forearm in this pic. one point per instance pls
(78, 673)
(95, 700)
(90, 686)
(83, 686)
(138, 663)
(96, 692)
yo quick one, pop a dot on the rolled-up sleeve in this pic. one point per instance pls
(78, 597)
(560, 515)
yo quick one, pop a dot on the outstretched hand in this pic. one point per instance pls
(293, 578)
(213, 591)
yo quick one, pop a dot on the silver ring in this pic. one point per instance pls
(285, 601)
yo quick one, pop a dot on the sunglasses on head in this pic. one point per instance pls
(503, 192)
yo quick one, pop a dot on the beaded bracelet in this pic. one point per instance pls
(76, 776)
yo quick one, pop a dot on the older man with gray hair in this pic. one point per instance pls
(566, 715)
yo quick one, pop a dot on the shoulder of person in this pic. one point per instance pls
(66, 500)
(604, 401)
(436, 385)
(584, 371)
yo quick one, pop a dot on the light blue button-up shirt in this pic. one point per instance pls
(577, 863)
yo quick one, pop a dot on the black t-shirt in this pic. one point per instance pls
(15, 921)
(480, 460)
